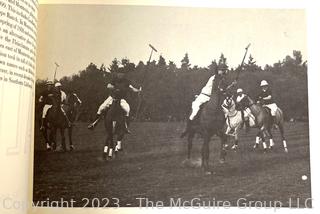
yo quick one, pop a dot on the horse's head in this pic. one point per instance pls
(229, 99)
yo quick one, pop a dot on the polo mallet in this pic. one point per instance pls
(55, 71)
(244, 57)
(152, 49)
(142, 82)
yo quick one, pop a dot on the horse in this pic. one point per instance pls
(55, 119)
(234, 120)
(114, 123)
(71, 108)
(210, 121)
(264, 122)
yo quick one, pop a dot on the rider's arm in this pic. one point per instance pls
(41, 99)
(78, 99)
(63, 97)
(134, 89)
(268, 97)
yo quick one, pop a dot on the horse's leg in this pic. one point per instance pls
(111, 140)
(70, 138)
(111, 146)
(190, 138)
(258, 138)
(106, 147)
(205, 152)
(63, 140)
(46, 138)
(263, 138)
(53, 136)
(119, 138)
(223, 152)
(271, 143)
(284, 142)
(236, 140)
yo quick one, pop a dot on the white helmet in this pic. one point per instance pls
(58, 84)
(264, 83)
(239, 90)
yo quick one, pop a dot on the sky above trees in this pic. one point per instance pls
(75, 35)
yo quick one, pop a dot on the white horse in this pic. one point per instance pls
(234, 119)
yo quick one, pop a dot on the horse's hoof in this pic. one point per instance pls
(109, 158)
(71, 148)
(235, 147)
(270, 147)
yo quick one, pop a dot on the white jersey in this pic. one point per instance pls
(63, 96)
(239, 98)
(207, 89)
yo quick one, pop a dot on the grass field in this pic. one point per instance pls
(151, 166)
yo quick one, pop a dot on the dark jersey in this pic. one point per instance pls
(220, 84)
(264, 94)
(48, 95)
(121, 87)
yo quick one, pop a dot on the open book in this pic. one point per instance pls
(149, 106)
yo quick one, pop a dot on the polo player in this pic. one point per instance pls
(120, 87)
(63, 97)
(245, 112)
(206, 93)
(266, 99)
(46, 99)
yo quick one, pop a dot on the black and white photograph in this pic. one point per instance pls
(171, 106)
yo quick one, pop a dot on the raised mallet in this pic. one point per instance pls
(152, 49)
(55, 71)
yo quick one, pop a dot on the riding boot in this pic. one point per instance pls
(42, 124)
(95, 122)
(126, 124)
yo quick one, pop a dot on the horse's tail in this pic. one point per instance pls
(280, 119)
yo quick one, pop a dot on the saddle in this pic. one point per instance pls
(267, 109)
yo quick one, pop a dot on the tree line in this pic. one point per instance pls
(168, 90)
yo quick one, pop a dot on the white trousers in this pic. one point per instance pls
(46, 107)
(106, 104)
(201, 99)
(273, 107)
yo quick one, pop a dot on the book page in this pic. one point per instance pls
(239, 76)
(18, 26)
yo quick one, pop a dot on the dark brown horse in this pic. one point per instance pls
(114, 122)
(55, 120)
(264, 122)
(209, 122)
